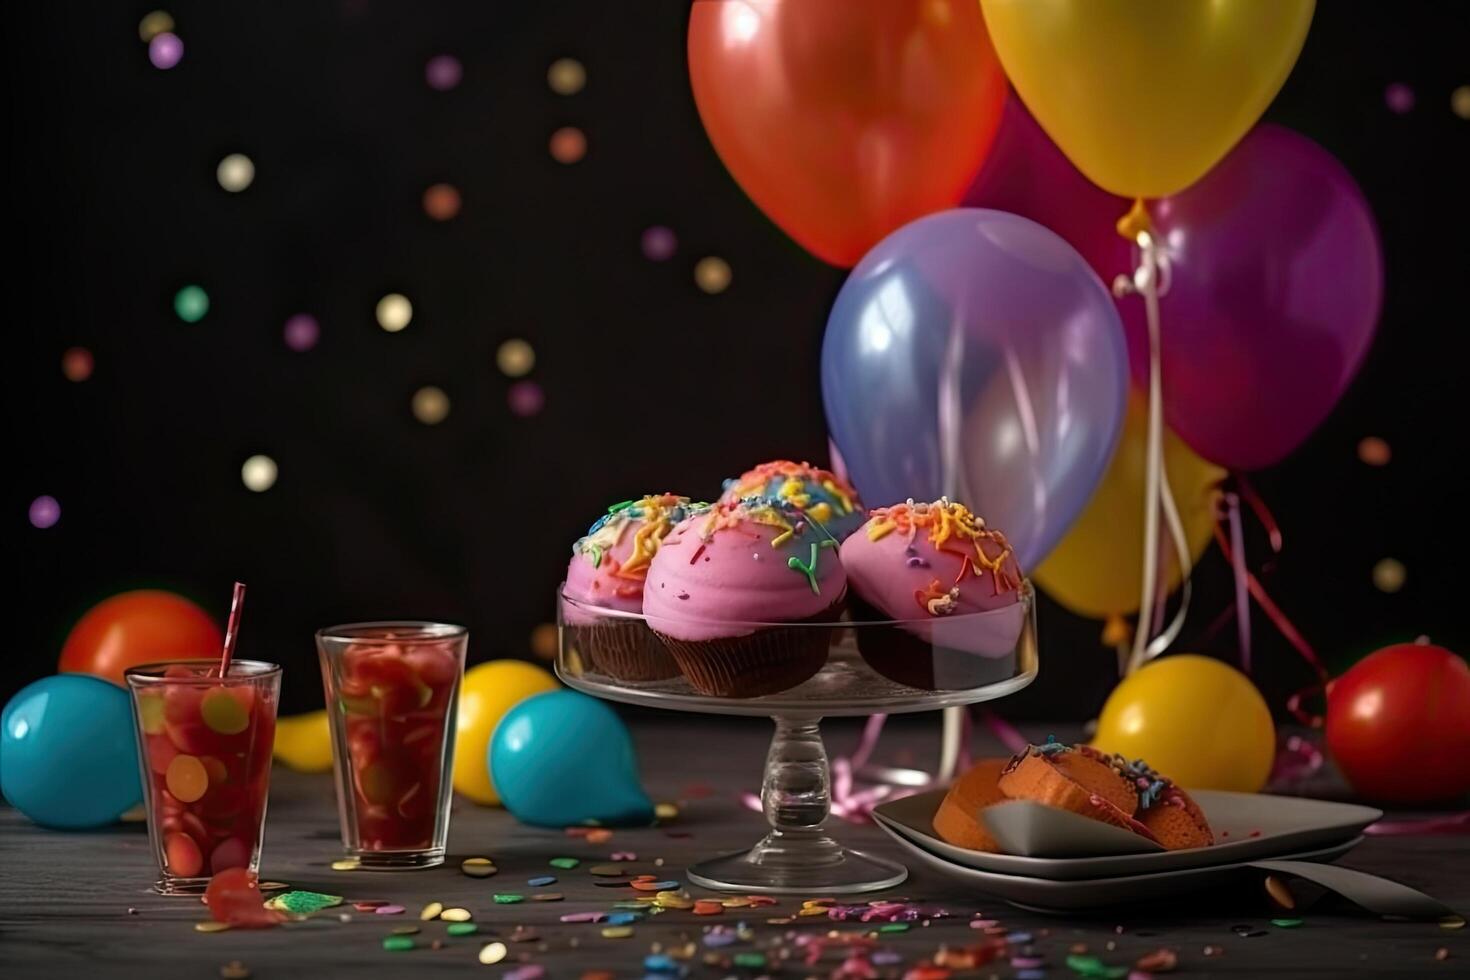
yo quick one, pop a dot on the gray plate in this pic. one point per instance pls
(1047, 895)
(1284, 824)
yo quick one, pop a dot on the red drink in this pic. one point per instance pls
(204, 743)
(392, 692)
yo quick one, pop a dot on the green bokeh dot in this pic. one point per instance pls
(191, 303)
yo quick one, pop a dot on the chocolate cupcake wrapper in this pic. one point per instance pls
(766, 661)
(905, 658)
(625, 651)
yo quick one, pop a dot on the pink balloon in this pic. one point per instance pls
(1276, 285)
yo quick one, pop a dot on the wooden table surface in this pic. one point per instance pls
(78, 904)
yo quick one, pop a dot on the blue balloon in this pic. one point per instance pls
(1038, 373)
(561, 758)
(68, 755)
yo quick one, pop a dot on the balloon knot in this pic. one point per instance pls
(1135, 222)
(1116, 632)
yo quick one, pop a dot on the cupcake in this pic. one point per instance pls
(926, 566)
(819, 495)
(723, 582)
(608, 569)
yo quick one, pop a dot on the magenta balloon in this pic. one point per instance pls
(1276, 283)
(1026, 174)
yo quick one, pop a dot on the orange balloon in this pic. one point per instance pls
(138, 627)
(846, 119)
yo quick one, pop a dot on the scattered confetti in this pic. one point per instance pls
(431, 911)
(430, 405)
(442, 202)
(1159, 961)
(302, 332)
(462, 929)
(1091, 966)
(524, 934)
(154, 24)
(1389, 575)
(540, 880)
(515, 358)
(478, 867)
(751, 960)
(617, 932)
(456, 915)
(665, 811)
(443, 72)
(1399, 98)
(1460, 101)
(211, 926)
(234, 970)
(493, 953)
(76, 364)
(599, 835)
(1286, 923)
(303, 902)
(568, 145)
(398, 944)
(508, 898)
(1374, 451)
(547, 897)
(409, 930)
(394, 312)
(564, 863)
(390, 910)
(258, 473)
(712, 274)
(165, 50)
(566, 76)
(235, 172)
(584, 917)
(607, 870)
(659, 243)
(345, 864)
(526, 398)
(44, 512)
(191, 303)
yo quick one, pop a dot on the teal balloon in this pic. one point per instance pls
(560, 759)
(68, 755)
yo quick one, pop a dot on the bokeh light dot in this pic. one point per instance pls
(526, 398)
(1460, 101)
(443, 72)
(515, 358)
(165, 50)
(1389, 575)
(77, 364)
(659, 243)
(302, 332)
(442, 202)
(154, 24)
(568, 145)
(543, 641)
(394, 312)
(235, 172)
(191, 304)
(712, 274)
(566, 76)
(44, 512)
(1374, 451)
(430, 405)
(1399, 98)
(258, 473)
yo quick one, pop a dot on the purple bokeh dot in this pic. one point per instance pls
(526, 398)
(45, 512)
(1399, 98)
(659, 243)
(443, 72)
(302, 332)
(165, 50)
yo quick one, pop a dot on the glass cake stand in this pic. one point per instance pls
(856, 668)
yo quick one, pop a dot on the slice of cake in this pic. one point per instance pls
(1068, 777)
(958, 820)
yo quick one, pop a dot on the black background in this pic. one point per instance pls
(112, 205)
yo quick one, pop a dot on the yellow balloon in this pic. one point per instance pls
(487, 693)
(304, 742)
(1145, 96)
(1196, 720)
(1097, 569)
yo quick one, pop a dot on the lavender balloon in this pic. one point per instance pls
(974, 352)
(1276, 283)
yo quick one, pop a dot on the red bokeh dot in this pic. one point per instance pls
(568, 145)
(77, 364)
(441, 202)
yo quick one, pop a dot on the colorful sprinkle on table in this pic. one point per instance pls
(607, 870)
(389, 910)
(409, 930)
(508, 898)
(617, 932)
(752, 960)
(346, 864)
(303, 902)
(665, 811)
(462, 929)
(398, 944)
(235, 970)
(455, 915)
(564, 863)
(1286, 923)
(211, 926)
(478, 867)
(584, 917)
(541, 880)
(547, 897)
(431, 911)
(493, 953)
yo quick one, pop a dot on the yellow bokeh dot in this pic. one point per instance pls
(153, 24)
(566, 76)
(258, 473)
(712, 274)
(1460, 101)
(515, 358)
(430, 405)
(1389, 575)
(394, 312)
(543, 641)
(235, 172)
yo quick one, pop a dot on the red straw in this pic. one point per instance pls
(232, 629)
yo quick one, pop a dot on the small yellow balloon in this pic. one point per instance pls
(487, 693)
(1145, 96)
(1097, 569)
(1198, 721)
(304, 742)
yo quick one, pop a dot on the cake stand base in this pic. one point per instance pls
(781, 865)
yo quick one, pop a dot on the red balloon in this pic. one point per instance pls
(139, 627)
(1398, 724)
(846, 119)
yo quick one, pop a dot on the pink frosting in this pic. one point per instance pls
(710, 576)
(905, 577)
(601, 585)
(597, 574)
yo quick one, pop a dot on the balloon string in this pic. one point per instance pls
(1258, 506)
(1242, 587)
